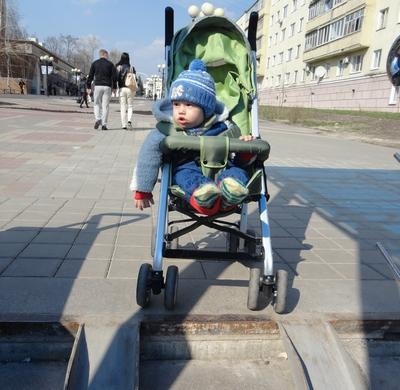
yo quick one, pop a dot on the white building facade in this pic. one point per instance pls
(326, 53)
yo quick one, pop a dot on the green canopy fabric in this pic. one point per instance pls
(222, 45)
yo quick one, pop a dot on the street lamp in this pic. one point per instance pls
(154, 78)
(47, 61)
(76, 72)
(161, 68)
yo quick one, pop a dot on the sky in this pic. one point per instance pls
(133, 26)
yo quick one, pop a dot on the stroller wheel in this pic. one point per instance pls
(254, 289)
(280, 291)
(171, 287)
(143, 287)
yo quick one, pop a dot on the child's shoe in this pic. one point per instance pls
(233, 192)
(206, 195)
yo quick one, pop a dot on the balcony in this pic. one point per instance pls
(339, 47)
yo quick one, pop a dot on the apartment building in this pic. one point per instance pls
(326, 53)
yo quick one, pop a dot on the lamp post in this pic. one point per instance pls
(76, 72)
(154, 78)
(161, 68)
(47, 61)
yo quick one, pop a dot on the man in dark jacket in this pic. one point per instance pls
(104, 77)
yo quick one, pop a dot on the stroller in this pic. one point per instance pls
(231, 60)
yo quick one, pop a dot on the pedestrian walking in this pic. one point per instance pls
(84, 94)
(125, 72)
(103, 75)
(21, 86)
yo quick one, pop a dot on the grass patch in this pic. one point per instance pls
(298, 114)
(369, 124)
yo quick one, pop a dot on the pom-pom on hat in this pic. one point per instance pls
(197, 86)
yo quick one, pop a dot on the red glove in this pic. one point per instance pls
(139, 195)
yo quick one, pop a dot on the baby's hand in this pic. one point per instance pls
(246, 137)
(143, 203)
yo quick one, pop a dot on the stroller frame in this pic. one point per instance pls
(263, 282)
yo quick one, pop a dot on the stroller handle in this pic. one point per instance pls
(252, 32)
(169, 25)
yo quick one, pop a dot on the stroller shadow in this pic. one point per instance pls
(303, 218)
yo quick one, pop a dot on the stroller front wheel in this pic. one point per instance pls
(254, 288)
(280, 291)
(143, 287)
(171, 287)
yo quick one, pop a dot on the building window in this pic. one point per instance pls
(356, 63)
(298, 51)
(276, 38)
(260, 25)
(323, 35)
(259, 42)
(292, 28)
(376, 60)
(283, 34)
(289, 54)
(271, 22)
(328, 68)
(285, 10)
(280, 59)
(336, 29)
(273, 60)
(321, 7)
(303, 75)
(278, 80)
(340, 68)
(268, 62)
(382, 18)
(353, 22)
(300, 24)
(270, 41)
(294, 5)
(295, 76)
(287, 77)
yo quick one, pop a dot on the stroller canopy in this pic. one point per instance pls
(222, 45)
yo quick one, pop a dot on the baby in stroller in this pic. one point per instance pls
(192, 109)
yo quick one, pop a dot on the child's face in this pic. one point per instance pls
(187, 115)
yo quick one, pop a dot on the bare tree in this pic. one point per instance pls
(86, 52)
(54, 45)
(64, 46)
(115, 55)
(13, 29)
(10, 29)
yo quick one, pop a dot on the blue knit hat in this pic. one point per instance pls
(196, 86)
